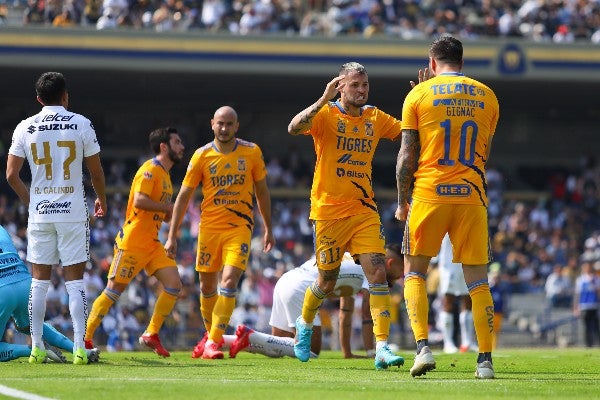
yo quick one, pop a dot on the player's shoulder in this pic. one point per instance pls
(204, 149)
(147, 169)
(246, 144)
(248, 147)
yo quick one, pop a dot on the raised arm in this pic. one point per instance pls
(303, 120)
(263, 199)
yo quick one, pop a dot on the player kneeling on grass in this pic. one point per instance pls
(288, 297)
(15, 281)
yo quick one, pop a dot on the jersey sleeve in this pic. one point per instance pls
(390, 127)
(90, 141)
(318, 121)
(193, 176)
(259, 170)
(17, 147)
(409, 114)
(144, 181)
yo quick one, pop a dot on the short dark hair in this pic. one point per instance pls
(352, 66)
(160, 135)
(395, 248)
(447, 49)
(50, 87)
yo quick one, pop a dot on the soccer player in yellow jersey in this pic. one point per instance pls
(231, 172)
(137, 246)
(447, 127)
(343, 209)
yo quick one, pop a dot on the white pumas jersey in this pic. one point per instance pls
(350, 280)
(54, 142)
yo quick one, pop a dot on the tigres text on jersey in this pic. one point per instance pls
(227, 183)
(345, 145)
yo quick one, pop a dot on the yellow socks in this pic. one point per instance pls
(163, 307)
(207, 305)
(222, 313)
(380, 300)
(313, 298)
(100, 308)
(483, 316)
(417, 305)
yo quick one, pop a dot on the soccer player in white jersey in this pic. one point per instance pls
(452, 289)
(288, 297)
(56, 143)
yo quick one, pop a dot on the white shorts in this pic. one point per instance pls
(288, 297)
(51, 243)
(452, 279)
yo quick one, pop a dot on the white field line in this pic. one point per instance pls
(18, 394)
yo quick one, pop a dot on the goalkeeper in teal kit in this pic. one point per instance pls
(15, 281)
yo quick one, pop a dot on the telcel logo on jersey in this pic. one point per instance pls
(450, 189)
(347, 159)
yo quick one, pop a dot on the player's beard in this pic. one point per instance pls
(355, 103)
(174, 157)
(358, 103)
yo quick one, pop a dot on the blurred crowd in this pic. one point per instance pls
(539, 245)
(559, 21)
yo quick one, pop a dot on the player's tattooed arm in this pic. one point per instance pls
(303, 120)
(406, 164)
(377, 259)
(330, 275)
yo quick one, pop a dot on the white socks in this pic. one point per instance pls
(37, 311)
(446, 325)
(467, 328)
(78, 309)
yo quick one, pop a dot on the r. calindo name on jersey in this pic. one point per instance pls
(54, 142)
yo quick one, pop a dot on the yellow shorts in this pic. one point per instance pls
(126, 264)
(466, 224)
(357, 234)
(219, 248)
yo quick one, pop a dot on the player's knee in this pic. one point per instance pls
(173, 291)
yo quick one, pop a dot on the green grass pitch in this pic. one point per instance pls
(543, 373)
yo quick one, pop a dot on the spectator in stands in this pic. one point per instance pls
(34, 13)
(587, 302)
(559, 287)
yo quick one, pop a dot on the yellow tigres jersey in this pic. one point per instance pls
(345, 145)
(227, 183)
(140, 230)
(456, 117)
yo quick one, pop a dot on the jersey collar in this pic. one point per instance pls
(156, 161)
(215, 148)
(451, 74)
